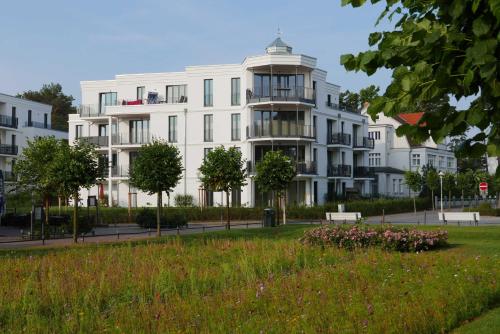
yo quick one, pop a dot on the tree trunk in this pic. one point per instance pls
(277, 215)
(462, 198)
(228, 225)
(432, 198)
(47, 203)
(449, 199)
(414, 205)
(284, 209)
(158, 214)
(75, 218)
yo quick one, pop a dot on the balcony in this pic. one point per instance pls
(290, 131)
(301, 167)
(364, 142)
(101, 141)
(339, 139)
(91, 110)
(339, 171)
(282, 94)
(335, 106)
(131, 140)
(8, 122)
(7, 149)
(9, 176)
(364, 172)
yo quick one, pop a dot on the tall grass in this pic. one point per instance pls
(266, 284)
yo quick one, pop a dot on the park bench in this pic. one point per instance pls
(332, 217)
(471, 217)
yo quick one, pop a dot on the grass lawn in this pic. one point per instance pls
(251, 281)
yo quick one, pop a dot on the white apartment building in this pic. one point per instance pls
(275, 101)
(393, 155)
(20, 120)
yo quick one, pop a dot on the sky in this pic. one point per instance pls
(70, 41)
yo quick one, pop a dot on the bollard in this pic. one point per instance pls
(383, 217)
(425, 217)
(178, 231)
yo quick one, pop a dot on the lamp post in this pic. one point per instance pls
(441, 174)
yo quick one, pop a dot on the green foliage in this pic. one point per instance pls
(413, 180)
(146, 218)
(61, 104)
(222, 170)
(465, 181)
(437, 49)
(484, 209)
(432, 180)
(354, 101)
(449, 182)
(274, 172)
(184, 200)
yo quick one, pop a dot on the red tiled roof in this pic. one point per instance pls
(411, 118)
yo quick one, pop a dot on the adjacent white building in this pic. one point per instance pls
(275, 101)
(21, 120)
(392, 155)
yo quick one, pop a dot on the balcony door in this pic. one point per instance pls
(138, 131)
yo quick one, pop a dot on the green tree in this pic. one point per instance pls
(35, 169)
(432, 182)
(449, 185)
(61, 103)
(349, 101)
(368, 94)
(77, 167)
(414, 182)
(465, 182)
(274, 173)
(222, 170)
(157, 169)
(438, 49)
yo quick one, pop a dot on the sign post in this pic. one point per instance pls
(483, 188)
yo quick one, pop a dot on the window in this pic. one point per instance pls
(236, 198)
(206, 150)
(140, 92)
(106, 99)
(177, 94)
(400, 186)
(172, 129)
(139, 131)
(45, 121)
(374, 159)
(208, 96)
(235, 91)
(374, 135)
(78, 131)
(329, 100)
(394, 186)
(235, 127)
(431, 160)
(30, 120)
(208, 128)
(415, 159)
(103, 130)
(315, 154)
(441, 162)
(450, 162)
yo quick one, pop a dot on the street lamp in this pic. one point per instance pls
(441, 174)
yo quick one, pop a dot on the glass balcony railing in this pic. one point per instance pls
(339, 171)
(139, 139)
(8, 121)
(364, 172)
(282, 94)
(336, 106)
(290, 130)
(102, 141)
(8, 149)
(363, 142)
(339, 139)
(301, 167)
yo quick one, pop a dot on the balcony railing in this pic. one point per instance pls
(8, 176)
(8, 149)
(336, 106)
(39, 125)
(102, 141)
(8, 121)
(282, 94)
(116, 171)
(363, 142)
(301, 167)
(131, 140)
(291, 130)
(153, 100)
(339, 170)
(364, 172)
(339, 139)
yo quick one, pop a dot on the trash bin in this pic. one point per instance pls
(269, 217)
(341, 208)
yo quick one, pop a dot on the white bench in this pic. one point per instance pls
(332, 217)
(471, 217)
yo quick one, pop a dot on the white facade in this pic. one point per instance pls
(21, 120)
(231, 105)
(393, 155)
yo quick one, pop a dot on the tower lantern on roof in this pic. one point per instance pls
(278, 47)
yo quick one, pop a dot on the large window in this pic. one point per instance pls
(139, 131)
(208, 127)
(374, 159)
(140, 92)
(415, 159)
(235, 91)
(450, 162)
(107, 99)
(431, 160)
(172, 129)
(78, 131)
(235, 127)
(45, 121)
(103, 130)
(207, 150)
(374, 135)
(177, 94)
(441, 161)
(208, 96)
(282, 84)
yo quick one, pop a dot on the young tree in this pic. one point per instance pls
(449, 185)
(465, 182)
(437, 49)
(368, 94)
(77, 167)
(414, 181)
(157, 169)
(274, 173)
(222, 170)
(432, 182)
(35, 169)
(349, 100)
(61, 104)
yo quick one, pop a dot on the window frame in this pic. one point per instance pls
(236, 91)
(208, 128)
(172, 129)
(236, 129)
(208, 92)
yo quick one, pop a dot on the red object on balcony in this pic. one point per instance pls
(133, 103)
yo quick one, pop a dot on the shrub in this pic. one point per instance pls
(184, 200)
(146, 218)
(484, 209)
(389, 238)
